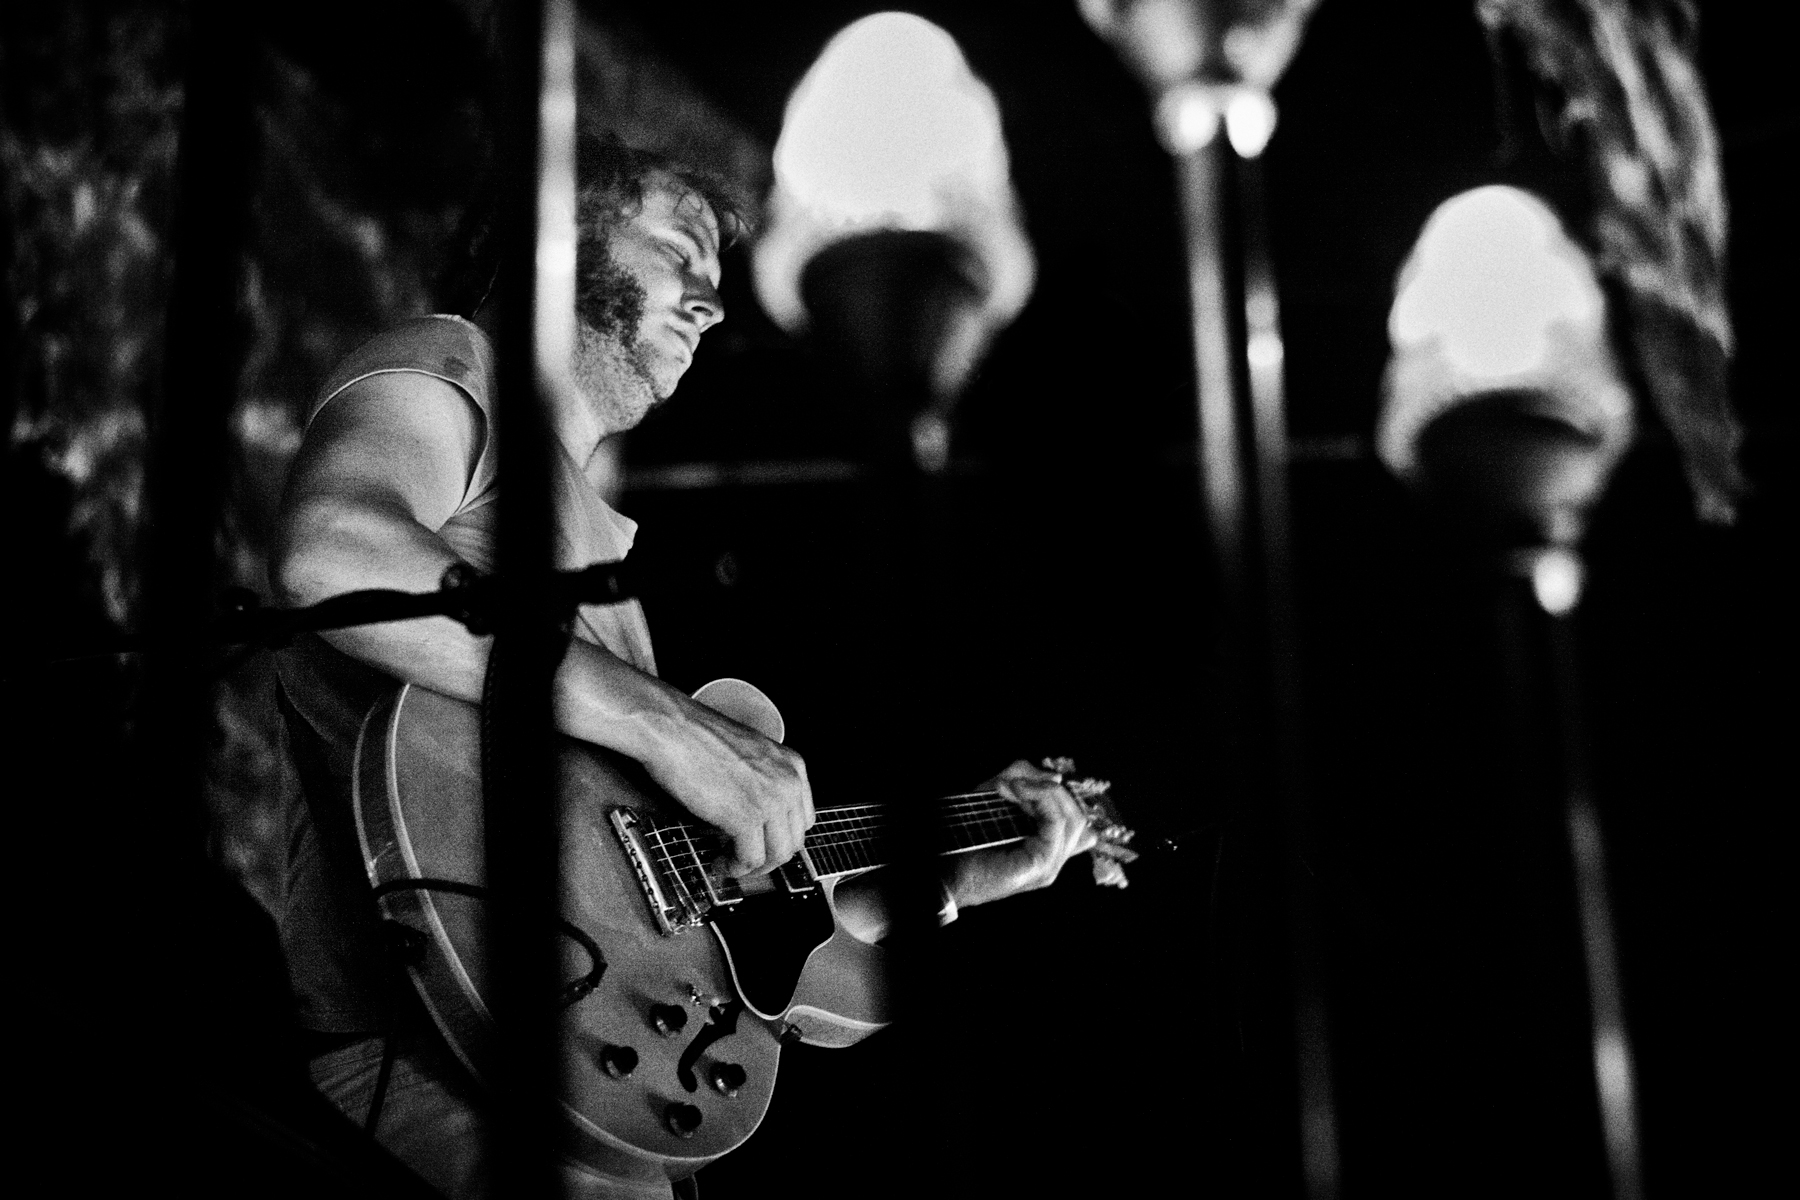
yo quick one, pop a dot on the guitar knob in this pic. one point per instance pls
(618, 1061)
(682, 1119)
(727, 1078)
(668, 1019)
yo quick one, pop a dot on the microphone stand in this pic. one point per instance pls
(464, 596)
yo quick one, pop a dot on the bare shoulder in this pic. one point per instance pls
(401, 436)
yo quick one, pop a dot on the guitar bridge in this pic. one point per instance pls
(674, 906)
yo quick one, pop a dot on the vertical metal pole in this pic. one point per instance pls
(1222, 482)
(520, 807)
(1614, 1073)
(1266, 356)
(1244, 491)
(1538, 642)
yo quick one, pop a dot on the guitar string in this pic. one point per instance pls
(1002, 813)
(993, 831)
(698, 864)
(687, 896)
(1000, 819)
(977, 810)
(843, 812)
(843, 835)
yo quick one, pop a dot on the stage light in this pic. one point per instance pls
(1207, 62)
(1249, 121)
(1556, 579)
(887, 126)
(1491, 278)
(1187, 117)
(891, 133)
(1503, 389)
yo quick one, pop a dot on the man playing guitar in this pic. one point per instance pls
(394, 484)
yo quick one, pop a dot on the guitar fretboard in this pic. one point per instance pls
(857, 837)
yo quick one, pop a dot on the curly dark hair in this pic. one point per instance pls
(609, 186)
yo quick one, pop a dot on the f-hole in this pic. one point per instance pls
(720, 1021)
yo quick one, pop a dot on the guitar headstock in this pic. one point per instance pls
(1112, 849)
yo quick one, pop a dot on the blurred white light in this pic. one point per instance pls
(1496, 297)
(886, 122)
(1556, 578)
(1264, 350)
(554, 304)
(1188, 117)
(890, 129)
(931, 442)
(1492, 272)
(1250, 121)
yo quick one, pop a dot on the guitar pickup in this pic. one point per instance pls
(796, 876)
(722, 888)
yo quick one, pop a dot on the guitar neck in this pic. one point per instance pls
(855, 837)
(684, 867)
(858, 837)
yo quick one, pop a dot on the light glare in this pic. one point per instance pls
(1264, 350)
(1250, 121)
(891, 130)
(886, 122)
(1556, 578)
(1492, 273)
(1188, 117)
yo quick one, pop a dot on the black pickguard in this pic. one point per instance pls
(768, 938)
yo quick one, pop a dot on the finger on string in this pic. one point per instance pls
(798, 824)
(749, 852)
(778, 838)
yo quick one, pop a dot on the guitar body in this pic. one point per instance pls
(770, 966)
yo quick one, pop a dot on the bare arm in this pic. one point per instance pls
(1060, 833)
(381, 471)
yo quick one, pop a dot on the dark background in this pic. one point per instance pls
(1088, 1041)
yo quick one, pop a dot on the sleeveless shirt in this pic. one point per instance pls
(342, 978)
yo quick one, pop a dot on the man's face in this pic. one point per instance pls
(645, 306)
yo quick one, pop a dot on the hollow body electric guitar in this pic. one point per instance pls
(684, 981)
